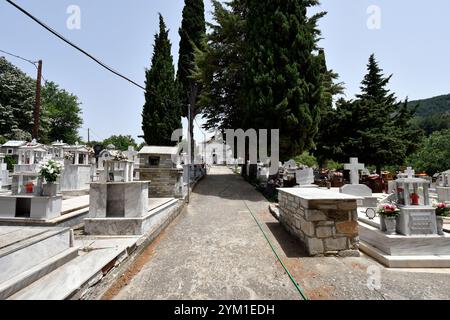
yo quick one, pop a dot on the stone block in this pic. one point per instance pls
(307, 227)
(315, 215)
(336, 244)
(314, 246)
(347, 228)
(348, 253)
(324, 232)
(347, 205)
(338, 215)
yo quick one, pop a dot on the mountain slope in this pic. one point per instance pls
(433, 106)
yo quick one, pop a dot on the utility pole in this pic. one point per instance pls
(89, 140)
(37, 105)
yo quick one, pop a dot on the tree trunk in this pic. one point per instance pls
(193, 112)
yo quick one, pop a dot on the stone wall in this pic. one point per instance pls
(325, 227)
(164, 182)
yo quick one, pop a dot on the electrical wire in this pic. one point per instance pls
(19, 57)
(98, 61)
(55, 33)
(34, 63)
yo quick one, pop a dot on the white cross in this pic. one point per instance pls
(410, 172)
(354, 168)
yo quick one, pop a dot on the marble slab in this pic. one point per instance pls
(118, 200)
(360, 190)
(40, 208)
(66, 280)
(318, 194)
(443, 194)
(131, 225)
(399, 245)
(35, 247)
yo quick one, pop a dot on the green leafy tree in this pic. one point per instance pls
(17, 96)
(161, 113)
(283, 79)
(433, 155)
(192, 33)
(121, 142)
(220, 68)
(61, 115)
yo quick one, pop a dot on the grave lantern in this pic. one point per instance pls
(412, 191)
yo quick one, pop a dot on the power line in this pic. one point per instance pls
(42, 24)
(72, 44)
(19, 57)
(34, 63)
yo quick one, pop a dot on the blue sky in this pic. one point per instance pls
(411, 43)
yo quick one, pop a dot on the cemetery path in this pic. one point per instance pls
(214, 250)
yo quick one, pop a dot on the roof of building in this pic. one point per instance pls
(158, 150)
(14, 143)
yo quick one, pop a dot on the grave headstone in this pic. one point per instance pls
(304, 176)
(443, 187)
(355, 188)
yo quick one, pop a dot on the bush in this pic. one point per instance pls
(433, 155)
(10, 162)
(333, 165)
(306, 159)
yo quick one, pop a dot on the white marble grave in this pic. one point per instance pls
(443, 187)
(305, 177)
(417, 216)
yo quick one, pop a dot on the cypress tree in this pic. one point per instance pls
(161, 112)
(283, 78)
(326, 138)
(192, 33)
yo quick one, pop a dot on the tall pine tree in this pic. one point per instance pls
(161, 112)
(192, 33)
(375, 127)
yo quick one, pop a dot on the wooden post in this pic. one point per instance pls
(37, 105)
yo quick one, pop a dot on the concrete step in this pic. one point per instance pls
(24, 279)
(22, 248)
(85, 270)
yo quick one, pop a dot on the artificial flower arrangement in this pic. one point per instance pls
(119, 156)
(388, 210)
(51, 170)
(69, 155)
(442, 209)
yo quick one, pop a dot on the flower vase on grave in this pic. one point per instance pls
(440, 225)
(391, 225)
(49, 189)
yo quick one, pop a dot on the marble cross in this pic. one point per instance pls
(354, 168)
(410, 172)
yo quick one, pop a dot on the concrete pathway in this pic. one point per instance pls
(215, 250)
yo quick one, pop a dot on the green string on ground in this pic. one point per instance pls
(297, 286)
